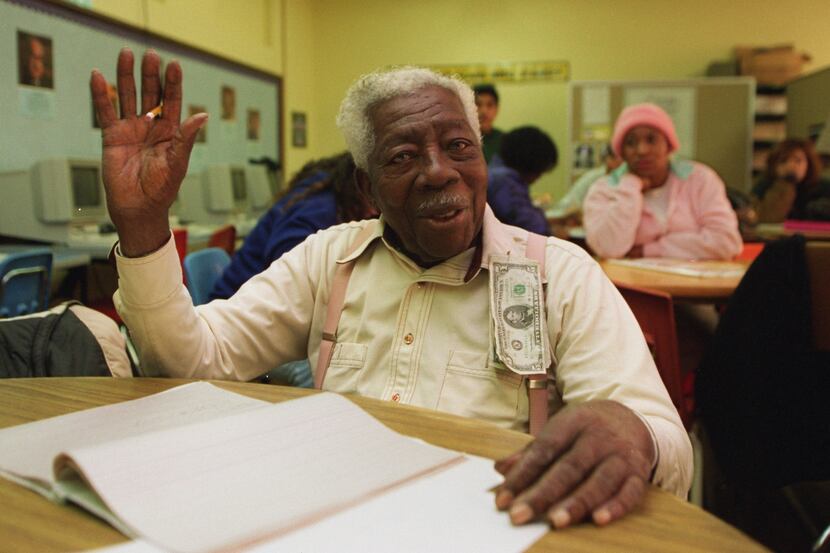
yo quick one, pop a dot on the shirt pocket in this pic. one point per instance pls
(477, 387)
(347, 361)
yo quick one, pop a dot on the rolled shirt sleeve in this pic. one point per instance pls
(601, 353)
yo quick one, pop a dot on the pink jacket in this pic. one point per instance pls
(700, 223)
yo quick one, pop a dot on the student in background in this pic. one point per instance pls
(791, 187)
(487, 102)
(656, 206)
(526, 154)
(323, 193)
(571, 203)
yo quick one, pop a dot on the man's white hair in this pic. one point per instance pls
(354, 119)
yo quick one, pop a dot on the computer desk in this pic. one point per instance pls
(62, 257)
(98, 245)
(28, 522)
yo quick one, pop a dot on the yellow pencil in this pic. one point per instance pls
(155, 112)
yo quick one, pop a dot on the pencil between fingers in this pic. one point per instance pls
(155, 112)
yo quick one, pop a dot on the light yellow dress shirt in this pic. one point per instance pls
(418, 336)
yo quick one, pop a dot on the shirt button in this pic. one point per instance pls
(396, 397)
(408, 339)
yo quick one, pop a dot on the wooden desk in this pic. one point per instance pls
(774, 231)
(680, 287)
(32, 523)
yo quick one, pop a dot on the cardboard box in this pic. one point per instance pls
(776, 65)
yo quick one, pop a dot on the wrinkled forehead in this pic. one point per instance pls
(413, 114)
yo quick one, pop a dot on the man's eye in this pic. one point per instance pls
(458, 145)
(401, 157)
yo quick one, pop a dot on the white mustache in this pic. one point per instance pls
(440, 203)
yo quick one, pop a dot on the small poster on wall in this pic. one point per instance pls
(298, 129)
(34, 60)
(193, 109)
(253, 124)
(228, 103)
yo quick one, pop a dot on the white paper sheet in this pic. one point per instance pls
(451, 511)
(46, 438)
(233, 481)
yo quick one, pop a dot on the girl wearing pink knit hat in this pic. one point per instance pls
(654, 205)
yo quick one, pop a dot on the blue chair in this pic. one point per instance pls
(201, 269)
(25, 278)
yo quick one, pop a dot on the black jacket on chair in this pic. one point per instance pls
(59, 343)
(762, 390)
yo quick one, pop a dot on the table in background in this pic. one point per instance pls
(680, 287)
(767, 231)
(62, 257)
(31, 523)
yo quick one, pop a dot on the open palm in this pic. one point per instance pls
(144, 159)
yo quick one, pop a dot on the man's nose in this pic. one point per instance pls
(437, 169)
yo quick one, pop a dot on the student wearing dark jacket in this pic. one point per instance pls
(791, 186)
(526, 154)
(321, 194)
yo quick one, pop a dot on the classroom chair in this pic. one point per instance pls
(750, 251)
(180, 239)
(25, 278)
(107, 307)
(201, 269)
(224, 237)
(654, 312)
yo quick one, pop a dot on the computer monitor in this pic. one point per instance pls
(226, 189)
(69, 191)
(52, 200)
(240, 187)
(259, 187)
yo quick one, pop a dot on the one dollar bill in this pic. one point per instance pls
(518, 311)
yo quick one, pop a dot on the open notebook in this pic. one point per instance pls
(197, 468)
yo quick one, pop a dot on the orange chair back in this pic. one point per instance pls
(750, 251)
(180, 238)
(654, 312)
(818, 267)
(224, 238)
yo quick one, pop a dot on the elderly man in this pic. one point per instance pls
(413, 320)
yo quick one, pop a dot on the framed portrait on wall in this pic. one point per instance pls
(298, 129)
(253, 124)
(34, 60)
(228, 97)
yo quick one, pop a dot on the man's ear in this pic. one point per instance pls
(364, 186)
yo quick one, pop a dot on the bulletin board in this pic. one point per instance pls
(53, 116)
(713, 118)
(808, 105)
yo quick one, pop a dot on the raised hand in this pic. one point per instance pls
(590, 460)
(144, 159)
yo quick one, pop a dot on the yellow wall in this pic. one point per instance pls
(247, 31)
(602, 39)
(321, 46)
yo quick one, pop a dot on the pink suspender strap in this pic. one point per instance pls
(537, 384)
(337, 295)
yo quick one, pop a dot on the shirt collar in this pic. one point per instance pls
(496, 239)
